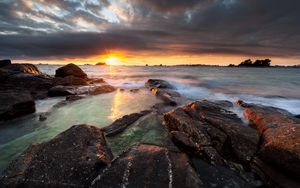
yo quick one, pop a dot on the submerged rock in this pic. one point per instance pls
(15, 104)
(70, 70)
(80, 90)
(121, 124)
(148, 166)
(71, 159)
(280, 137)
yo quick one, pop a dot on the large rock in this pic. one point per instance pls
(5, 62)
(280, 137)
(70, 70)
(15, 103)
(148, 166)
(210, 130)
(71, 159)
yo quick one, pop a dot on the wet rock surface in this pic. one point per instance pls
(71, 159)
(15, 104)
(149, 166)
(70, 70)
(280, 137)
(121, 124)
(164, 91)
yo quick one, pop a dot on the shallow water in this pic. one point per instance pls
(99, 111)
(279, 87)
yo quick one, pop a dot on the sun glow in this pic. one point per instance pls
(112, 59)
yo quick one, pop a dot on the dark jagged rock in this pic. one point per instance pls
(280, 137)
(164, 91)
(212, 132)
(70, 70)
(297, 116)
(121, 124)
(5, 62)
(70, 80)
(71, 159)
(148, 166)
(62, 91)
(15, 104)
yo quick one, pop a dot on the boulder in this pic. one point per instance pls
(148, 166)
(157, 83)
(280, 137)
(5, 62)
(122, 123)
(71, 159)
(70, 70)
(69, 80)
(15, 103)
(211, 131)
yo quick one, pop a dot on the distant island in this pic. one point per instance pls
(257, 63)
(101, 64)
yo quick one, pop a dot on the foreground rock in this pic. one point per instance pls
(164, 91)
(15, 104)
(149, 166)
(280, 137)
(207, 129)
(71, 159)
(70, 70)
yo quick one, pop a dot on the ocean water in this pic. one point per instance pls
(279, 87)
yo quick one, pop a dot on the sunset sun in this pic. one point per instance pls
(112, 59)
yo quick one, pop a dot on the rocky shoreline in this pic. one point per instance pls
(204, 143)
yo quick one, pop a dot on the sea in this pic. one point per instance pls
(277, 87)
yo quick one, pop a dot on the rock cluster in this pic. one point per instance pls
(213, 147)
(21, 84)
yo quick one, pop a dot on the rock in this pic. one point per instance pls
(207, 129)
(97, 81)
(280, 137)
(43, 117)
(157, 83)
(164, 91)
(62, 91)
(36, 84)
(134, 90)
(102, 89)
(122, 123)
(69, 80)
(15, 104)
(69, 99)
(5, 62)
(148, 166)
(71, 159)
(22, 68)
(70, 70)
(80, 90)
(297, 116)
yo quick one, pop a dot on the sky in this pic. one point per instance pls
(140, 32)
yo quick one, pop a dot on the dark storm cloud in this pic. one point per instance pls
(237, 27)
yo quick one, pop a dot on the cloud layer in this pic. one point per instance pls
(47, 29)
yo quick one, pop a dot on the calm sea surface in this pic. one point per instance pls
(279, 87)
